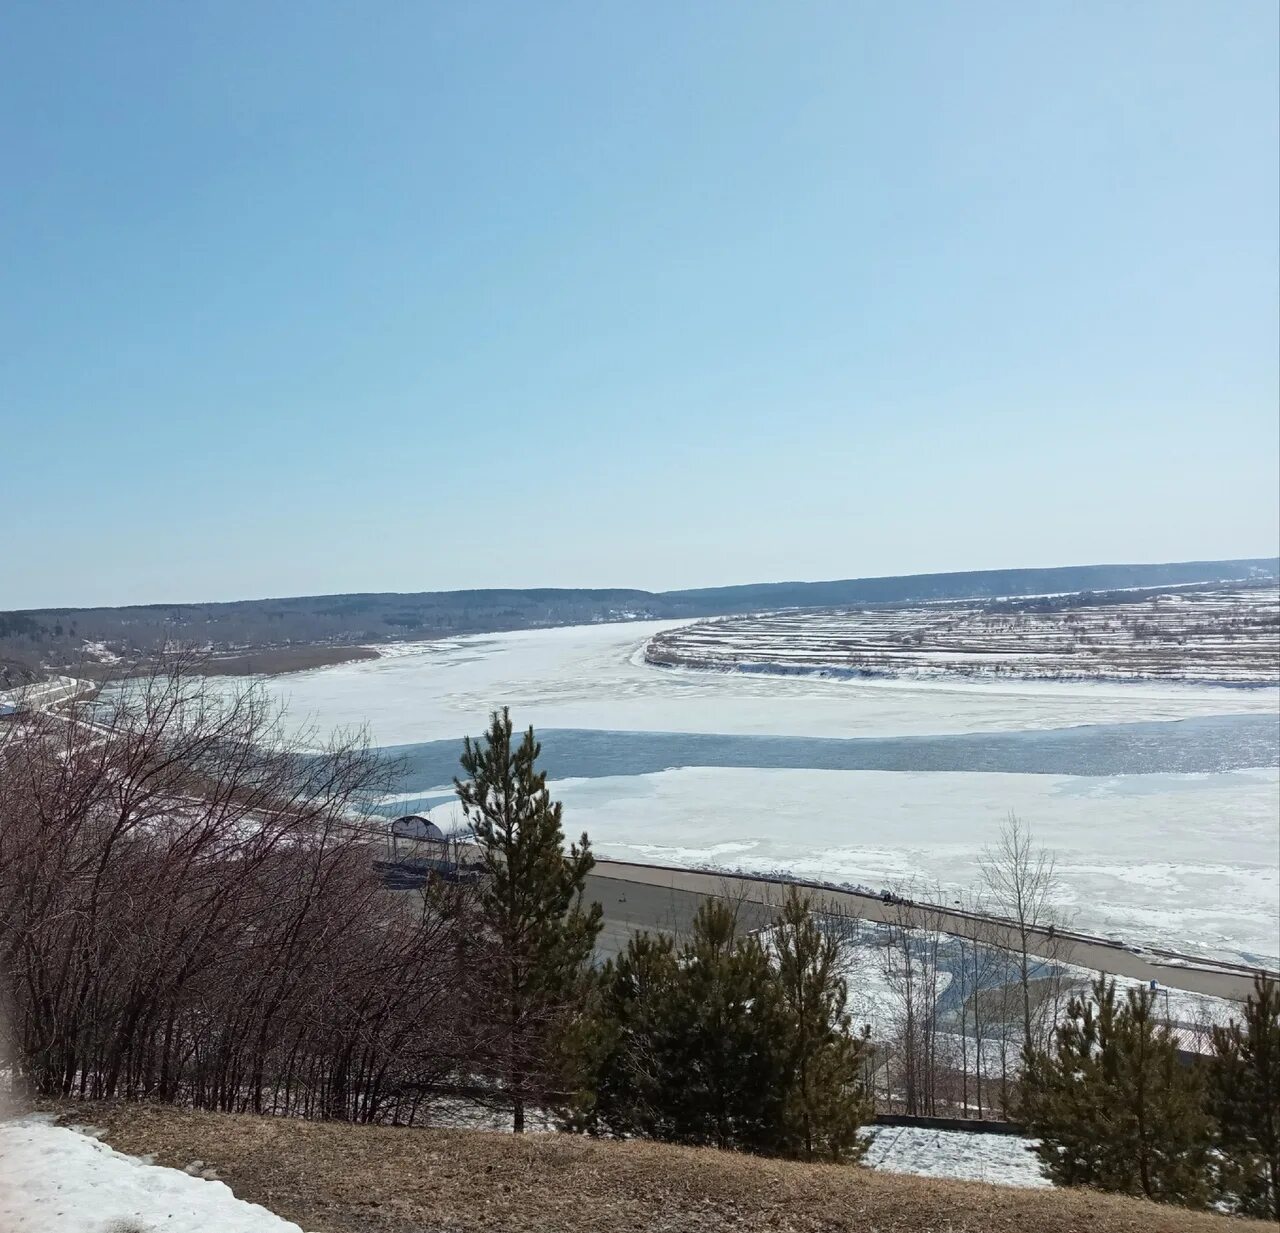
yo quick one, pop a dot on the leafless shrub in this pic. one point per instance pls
(189, 912)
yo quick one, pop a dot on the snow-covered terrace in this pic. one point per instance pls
(1226, 636)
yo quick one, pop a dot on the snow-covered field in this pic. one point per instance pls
(1189, 861)
(967, 1155)
(1226, 636)
(57, 1180)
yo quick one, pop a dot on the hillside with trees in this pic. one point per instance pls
(36, 640)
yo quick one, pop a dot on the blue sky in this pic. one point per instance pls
(313, 297)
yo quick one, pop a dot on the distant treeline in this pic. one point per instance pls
(1103, 599)
(42, 638)
(974, 584)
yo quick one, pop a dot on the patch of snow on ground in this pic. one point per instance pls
(963, 1154)
(56, 1180)
(459, 1113)
(101, 652)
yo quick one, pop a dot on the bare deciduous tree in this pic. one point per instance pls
(1021, 883)
(189, 911)
(914, 974)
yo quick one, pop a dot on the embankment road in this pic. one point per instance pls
(661, 898)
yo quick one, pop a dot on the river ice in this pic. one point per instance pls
(592, 677)
(1190, 861)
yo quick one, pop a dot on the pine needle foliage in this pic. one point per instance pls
(543, 934)
(1244, 1100)
(826, 1103)
(1114, 1107)
(720, 1042)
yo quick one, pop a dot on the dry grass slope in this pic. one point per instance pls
(348, 1179)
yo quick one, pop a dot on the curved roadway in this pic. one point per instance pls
(659, 898)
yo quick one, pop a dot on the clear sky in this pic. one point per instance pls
(308, 297)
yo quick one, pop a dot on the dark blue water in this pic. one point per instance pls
(1215, 743)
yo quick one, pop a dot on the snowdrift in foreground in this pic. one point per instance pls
(56, 1180)
(966, 1155)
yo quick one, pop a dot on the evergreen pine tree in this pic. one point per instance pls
(1114, 1107)
(532, 906)
(691, 1040)
(715, 1043)
(1244, 1101)
(1064, 1097)
(585, 1045)
(632, 1083)
(727, 1008)
(826, 1102)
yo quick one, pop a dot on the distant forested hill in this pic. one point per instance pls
(974, 584)
(36, 639)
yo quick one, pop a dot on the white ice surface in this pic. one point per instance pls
(1184, 861)
(1189, 861)
(592, 676)
(56, 1180)
(967, 1155)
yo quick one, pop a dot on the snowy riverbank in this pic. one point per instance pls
(57, 1180)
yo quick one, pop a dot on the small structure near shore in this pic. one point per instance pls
(416, 826)
(422, 838)
(419, 848)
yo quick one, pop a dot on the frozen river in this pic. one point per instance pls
(1180, 746)
(1162, 801)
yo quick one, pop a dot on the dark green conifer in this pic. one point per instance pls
(826, 1103)
(687, 1050)
(1114, 1107)
(1244, 1101)
(719, 1043)
(727, 1015)
(542, 933)
(621, 1062)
